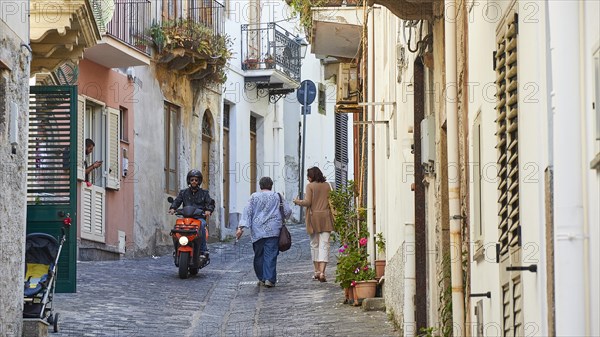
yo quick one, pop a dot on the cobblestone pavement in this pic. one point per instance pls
(145, 297)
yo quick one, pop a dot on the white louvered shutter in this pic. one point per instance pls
(80, 138)
(112, 154)
(507, 130)
(92, 213)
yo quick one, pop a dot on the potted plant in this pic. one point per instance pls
(365, 285)
(380, 263)
(251, 62)
(269, 61)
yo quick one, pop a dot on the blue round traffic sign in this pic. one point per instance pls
(307, 92)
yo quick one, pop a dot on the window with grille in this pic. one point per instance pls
(171, 146)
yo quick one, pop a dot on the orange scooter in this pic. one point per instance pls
(186, 241)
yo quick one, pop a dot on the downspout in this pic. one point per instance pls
(410, 281)
(568, 201)
(276, 128)
(372, 107)
(458, 300)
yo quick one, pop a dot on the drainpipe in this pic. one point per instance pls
(372, 107)
(458, 300)
(276, 130)
(410, 281)
(568, 201)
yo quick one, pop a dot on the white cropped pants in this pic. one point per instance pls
(319, 246)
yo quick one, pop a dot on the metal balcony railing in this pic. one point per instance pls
(269, 46)
(130, 23)
(209, 13)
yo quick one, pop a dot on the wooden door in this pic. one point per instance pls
(226, 170)
(252, 162)
(206, 141)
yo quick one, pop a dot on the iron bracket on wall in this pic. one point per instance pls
(488, 295)
(386, 122)
(532, 268)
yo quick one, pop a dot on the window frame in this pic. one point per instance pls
(171, 134)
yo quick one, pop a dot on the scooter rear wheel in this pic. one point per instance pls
(184, 259)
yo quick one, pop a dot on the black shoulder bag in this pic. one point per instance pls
(285, 238)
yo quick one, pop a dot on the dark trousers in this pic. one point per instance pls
(265, 258)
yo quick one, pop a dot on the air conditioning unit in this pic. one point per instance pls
(347, 82)
(428, 141)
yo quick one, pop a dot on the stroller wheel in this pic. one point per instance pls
(55, 322)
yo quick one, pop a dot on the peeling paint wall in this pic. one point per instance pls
(14, 95)
(158, 85)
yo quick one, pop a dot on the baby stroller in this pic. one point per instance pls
(41, 258)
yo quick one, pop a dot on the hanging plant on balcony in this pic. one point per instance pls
(302, 8)
(193, 45)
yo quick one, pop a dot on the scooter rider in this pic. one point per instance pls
(197, 197)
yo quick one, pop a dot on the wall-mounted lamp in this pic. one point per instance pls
(303, 46)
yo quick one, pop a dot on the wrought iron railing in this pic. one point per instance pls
(131, 22)
(209, 13)
(269, 46)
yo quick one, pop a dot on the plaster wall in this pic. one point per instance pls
(14, 93)
(592, 177)
(15, 14)
(484, 271)
(113, 89)
(393, 171)
(157, 86)
(533, 160)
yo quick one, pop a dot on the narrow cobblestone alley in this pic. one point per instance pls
(145, 297)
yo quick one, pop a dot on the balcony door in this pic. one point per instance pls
(207, 137)
(253, 163)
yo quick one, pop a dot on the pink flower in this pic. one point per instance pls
(345, 246)
(88, 184)
(353, 283)
(365, 268)
(363, 241)
(357, 270)
(342, 250)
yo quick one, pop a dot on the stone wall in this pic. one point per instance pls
(394, 286)
(14, 92)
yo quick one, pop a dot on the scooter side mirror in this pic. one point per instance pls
(170, 199)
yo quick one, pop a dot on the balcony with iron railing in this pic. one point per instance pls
(125, 26)
(194, 44)
(270, 56)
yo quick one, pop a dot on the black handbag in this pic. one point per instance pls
(285, 238)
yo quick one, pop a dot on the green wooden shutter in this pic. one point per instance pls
(52, 172)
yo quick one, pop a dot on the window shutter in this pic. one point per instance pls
(341, 149)
(112, 156)
(92, 213)
(507, 136)
(507, 130)
(80, 137)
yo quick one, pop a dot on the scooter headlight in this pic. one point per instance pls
(183, 240)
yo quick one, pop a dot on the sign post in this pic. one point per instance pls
(306, 94)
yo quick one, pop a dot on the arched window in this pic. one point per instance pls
(207, 138)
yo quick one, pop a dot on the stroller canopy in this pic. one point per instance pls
(41, 248)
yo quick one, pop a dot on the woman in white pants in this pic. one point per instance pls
(319, 220)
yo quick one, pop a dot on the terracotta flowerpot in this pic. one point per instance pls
(349, 294)
(379, 268)
(365, 289)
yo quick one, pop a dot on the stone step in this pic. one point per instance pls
(373, 304)
(35, 327)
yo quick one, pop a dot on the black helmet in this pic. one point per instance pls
(194, 173)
